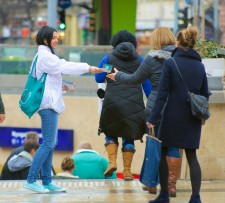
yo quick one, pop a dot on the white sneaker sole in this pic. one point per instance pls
(60, 190)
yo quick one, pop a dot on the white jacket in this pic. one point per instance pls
(55, 67)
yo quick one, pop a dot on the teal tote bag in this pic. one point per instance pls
(32, 95)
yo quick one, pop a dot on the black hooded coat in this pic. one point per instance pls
(123, 106)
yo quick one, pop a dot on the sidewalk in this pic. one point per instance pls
(109, 191)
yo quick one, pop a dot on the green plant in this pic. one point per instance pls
(210, 49)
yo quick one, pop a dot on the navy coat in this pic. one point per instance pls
(178, 127)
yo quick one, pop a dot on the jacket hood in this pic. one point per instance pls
(125, 51)
(189, 53)
(86, 150)
(20, 161)
(163, 53)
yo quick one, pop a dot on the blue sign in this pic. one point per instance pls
(14, 137)
(64, 4)
(189, 1)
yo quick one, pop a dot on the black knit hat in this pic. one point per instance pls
(123, 36)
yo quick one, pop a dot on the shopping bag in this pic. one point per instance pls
(32, 95)
(150, 168)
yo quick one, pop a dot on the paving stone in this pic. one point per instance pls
(108, 191)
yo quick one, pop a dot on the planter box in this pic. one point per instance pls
(214, 66)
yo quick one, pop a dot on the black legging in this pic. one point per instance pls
(195, 170)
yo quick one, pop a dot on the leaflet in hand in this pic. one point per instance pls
(107, 68)
(68, 86)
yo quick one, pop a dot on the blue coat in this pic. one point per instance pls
(178, 127)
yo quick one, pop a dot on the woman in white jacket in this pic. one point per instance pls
(51, 106)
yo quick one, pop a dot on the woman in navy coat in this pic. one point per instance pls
(178, 127)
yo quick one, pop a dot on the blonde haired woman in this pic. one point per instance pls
(162, 42)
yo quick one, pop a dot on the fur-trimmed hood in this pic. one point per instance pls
(164, 53)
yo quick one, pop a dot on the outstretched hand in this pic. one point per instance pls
(149, 125)
(112, 76)
(94, 69)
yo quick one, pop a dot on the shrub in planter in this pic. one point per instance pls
(210, 49)
(213, 56)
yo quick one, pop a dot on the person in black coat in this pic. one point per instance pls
(178, 127)
(162, 43)
(123, 107)
(2, 110)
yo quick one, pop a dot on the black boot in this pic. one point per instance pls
(162, 198)
(195, 199)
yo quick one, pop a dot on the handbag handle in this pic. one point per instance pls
(180, 75)
(151, 132)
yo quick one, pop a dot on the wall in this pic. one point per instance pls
(123, 15)
(212, 152)
(81, 115)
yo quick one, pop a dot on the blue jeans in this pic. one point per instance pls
(44, 155)
(126, 144)
(173, 152)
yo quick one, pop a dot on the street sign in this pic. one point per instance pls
(64, 4)
(189, 1)
(14, 137)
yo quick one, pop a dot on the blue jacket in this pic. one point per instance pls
(100, 78)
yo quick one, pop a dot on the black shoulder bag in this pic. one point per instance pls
(199, 104)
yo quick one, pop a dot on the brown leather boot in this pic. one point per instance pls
(151, 190)
(174, 165)
(127, 160)
(111, 149)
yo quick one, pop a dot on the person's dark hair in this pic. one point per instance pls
(67, 164)
(123, 36)
(31, 145)
(45, 34)
(187, 37)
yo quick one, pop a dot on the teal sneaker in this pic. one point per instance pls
(36, 187)
(54, 188)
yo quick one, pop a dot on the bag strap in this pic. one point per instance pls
(44, 75)
(152, 132)
(34, 65)
(180, 75)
